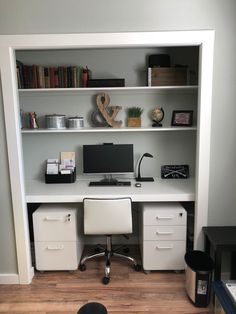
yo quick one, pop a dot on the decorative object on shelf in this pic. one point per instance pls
(134, 116)
(33, 122)
(97, 119)
(75, 122)
(167, 76)
(63, 172)
(182, 118)
(106, 82)
(22, 119)
(143, 179)
(108, 114)
(157, 116)
(55, 121)
(159, 60)
(174, 171)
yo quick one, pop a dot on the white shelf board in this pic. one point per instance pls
(107, 129)
(100, 89)
(161, 190)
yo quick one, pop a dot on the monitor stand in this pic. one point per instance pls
(109, 181)
(108, 178)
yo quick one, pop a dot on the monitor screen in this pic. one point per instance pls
(108, 158)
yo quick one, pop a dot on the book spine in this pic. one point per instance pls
(149, 77)
(41, 77)
(51, 75)
(56, 78)
(46, 77)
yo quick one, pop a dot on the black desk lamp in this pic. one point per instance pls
(139, 178)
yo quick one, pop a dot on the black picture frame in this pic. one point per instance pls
(182, 118)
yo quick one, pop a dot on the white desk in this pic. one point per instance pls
(160, 190)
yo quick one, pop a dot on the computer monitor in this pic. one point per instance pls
(108, 159)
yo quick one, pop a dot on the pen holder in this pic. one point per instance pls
(61, 178)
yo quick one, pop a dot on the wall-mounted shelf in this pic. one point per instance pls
(97, 130)
(99, 89)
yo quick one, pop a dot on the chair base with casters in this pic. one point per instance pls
(93, 308)
(108, 216)
(108, 252)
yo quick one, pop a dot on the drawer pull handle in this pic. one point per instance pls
(164, 232)
(52, 219)
(55, 248)
(164, 247)
(164, 217)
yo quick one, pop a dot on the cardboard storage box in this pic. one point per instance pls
(167, 76)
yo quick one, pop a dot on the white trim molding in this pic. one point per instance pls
(9, 279)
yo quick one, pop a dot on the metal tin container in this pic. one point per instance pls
(55, 121)
(75, 122)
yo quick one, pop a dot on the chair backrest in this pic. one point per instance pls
(107, 216)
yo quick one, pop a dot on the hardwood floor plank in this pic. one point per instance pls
(159, 292)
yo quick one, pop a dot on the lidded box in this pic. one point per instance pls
(75, 122)
(55, 121)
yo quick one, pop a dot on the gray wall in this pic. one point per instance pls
(73, 16)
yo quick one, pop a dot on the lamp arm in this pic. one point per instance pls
(139, 176)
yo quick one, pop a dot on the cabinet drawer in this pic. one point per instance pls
(55, 224)
(57, 255)
(163, 214)
(164, 233)
(163, 255)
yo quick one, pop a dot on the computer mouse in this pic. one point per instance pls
(138, 185)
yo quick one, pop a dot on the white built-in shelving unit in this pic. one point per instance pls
(125, 55)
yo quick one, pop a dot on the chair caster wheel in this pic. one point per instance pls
(137, 267)
(97, 250)
(82, 267)
(126, 250)
(105, 280)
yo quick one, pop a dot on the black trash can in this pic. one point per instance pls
(198, 277)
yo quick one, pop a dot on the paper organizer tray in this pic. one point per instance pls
(60, 178)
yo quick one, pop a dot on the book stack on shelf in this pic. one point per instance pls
(38, 76)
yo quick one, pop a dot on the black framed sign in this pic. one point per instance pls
(182, 118)
(175, 171)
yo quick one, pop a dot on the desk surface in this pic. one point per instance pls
(221, 237)
(158, 191)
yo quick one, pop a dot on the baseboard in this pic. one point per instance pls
(9, 279)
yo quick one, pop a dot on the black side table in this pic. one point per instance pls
(221, 239)
(222, 300)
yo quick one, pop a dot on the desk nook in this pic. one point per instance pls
(72, 93)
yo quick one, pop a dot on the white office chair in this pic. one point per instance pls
(107, 217)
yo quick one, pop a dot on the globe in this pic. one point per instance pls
(157, 116)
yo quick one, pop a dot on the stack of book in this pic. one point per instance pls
(38, 76)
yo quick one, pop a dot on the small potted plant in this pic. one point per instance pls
(134, 116)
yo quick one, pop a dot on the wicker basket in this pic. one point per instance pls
(134, 122)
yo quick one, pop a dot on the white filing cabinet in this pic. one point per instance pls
(162, 236)
(57, 237)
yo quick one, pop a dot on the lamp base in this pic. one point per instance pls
(145, 179)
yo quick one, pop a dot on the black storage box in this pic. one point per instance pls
(160, 60)
(60, 178)
(106, 83)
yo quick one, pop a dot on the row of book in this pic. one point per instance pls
(37, 76)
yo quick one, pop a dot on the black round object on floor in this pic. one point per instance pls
(93, 308)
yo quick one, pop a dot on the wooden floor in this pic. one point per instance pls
(128, 292)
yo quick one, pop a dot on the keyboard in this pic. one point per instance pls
(102, 183)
